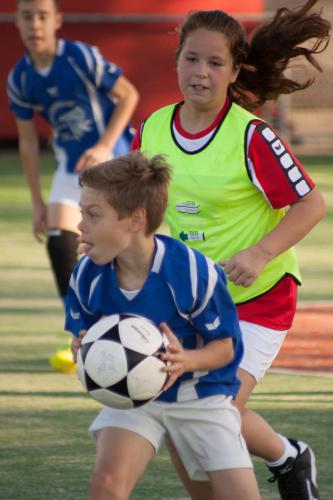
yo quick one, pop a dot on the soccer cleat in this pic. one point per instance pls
(296, 478)
(62, 361)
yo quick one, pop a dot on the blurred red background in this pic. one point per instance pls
(139, 36)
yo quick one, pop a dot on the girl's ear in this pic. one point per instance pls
(235, 74)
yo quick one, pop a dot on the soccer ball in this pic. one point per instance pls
(118, 362)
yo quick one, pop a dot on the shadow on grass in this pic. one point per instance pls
(54, 459)
(326, 161)
(25, 267)
(45, 394)
(17, 216)
(37, 293)
(31, 311)
(27, 366)
(299, 393)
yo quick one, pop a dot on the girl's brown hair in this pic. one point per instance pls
(131, 182)
(274, 44)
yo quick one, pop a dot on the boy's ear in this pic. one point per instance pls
(59, 20)
(16, 20)
(138, 220)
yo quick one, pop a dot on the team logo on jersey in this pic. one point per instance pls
(214, 324)
(53, 91)
(69, 120)
(74, 315)
(188, 207)
(112, 68)
(192, 236)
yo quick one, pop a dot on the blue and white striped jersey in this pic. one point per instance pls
(185, 289)
(72, 95)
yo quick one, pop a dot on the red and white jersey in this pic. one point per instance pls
(268, 172)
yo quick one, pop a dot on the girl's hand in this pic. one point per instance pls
(76, 344)
(178, 360)
(245, 266)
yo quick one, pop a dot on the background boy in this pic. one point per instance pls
(88, 103)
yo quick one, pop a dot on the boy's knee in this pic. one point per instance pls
(109, 485)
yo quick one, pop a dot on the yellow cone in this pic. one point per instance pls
(63, 361)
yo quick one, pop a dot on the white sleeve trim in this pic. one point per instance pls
(254, 178)
(193, 274)
(99, 66)
(183, 315)
(74, 283)
(93, 286)
(87, 56)
(160, 251)
(212, 280)
(91, 91)
(14, 94)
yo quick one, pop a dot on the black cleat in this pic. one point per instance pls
(296, 478)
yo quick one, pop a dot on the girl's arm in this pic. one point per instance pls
(244, 267)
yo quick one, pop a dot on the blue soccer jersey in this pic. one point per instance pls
(72, 95)
(185, 289)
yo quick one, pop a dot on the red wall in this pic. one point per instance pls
(144, 49)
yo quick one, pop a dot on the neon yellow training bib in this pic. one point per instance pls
(213, 205)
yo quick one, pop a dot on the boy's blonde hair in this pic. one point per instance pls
(131, 182)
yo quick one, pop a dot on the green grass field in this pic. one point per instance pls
(45, 451)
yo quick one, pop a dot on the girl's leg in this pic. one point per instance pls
(198, 490)
(270, 446)
(121, 459)
(292, 463)
(233, 484)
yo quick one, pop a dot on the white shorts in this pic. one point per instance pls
(206, 432)
(261, 346)
(65, 188)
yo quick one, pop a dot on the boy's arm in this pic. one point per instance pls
(127, 98)
(78, 316)
(213, 355)
(29, 152)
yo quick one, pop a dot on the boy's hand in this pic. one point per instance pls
(39, 221)
(92, 156)
(76, 344)
(178, 360)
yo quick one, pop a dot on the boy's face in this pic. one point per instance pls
(38, 22)
(103, 235)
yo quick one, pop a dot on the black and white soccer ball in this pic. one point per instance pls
(119, 362)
